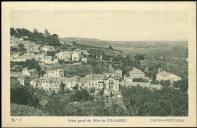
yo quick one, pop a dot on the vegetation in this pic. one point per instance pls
(24, 110)
(35, 36)
(137, 101)
(140, 80)
(29, 63)
(144, 102)
(78, 70)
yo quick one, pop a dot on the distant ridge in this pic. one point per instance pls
(102, 43)
(85, 41)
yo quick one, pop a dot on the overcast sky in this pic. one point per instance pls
(106, 25)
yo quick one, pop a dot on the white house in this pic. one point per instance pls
(85, 60)
(163, 75)
(31, 47)
(66, 56)
(49, 60)
(24, 80)
(76, 56)
(54, 73)
(136, 73)
(32, 73)
(21, 58)
(55, 84)
(49, 83)
(46, 48)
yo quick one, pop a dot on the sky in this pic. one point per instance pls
(115, 25)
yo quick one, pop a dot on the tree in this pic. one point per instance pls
(12, 32)
(110, 47)
(139, 57)
(62, 86)
(24, 95)
(46, 32)
(32, 64)
(51, 53)
(165, 83)
(21, 48)
(74, 42)
(35, 31)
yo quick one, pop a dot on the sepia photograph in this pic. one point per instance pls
(100, 62)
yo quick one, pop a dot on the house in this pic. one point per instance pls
(24, 38)
(34, 82)
(136, 77)
(39, 57)
(76, 56)
(99, 57)
(49, 60)
(107, 82)
(21, 58)
(55, 83)
(83, 52)
(85, 60)
(15, 54)
(47, 48)
(49, 83)
(163, 75)
(32, 73)
(29, 54)
(31, 47)
(54, 73)
(136, 73)
(24, 79)
(66, 56)
(112, 83)
(71, 82)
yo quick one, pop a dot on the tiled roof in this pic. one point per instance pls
(136, 71)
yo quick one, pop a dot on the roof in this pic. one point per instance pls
(23, 76)
(24, 57)
(46, 46)
(55, 69)
(47, 57)
(136, 71)
(169, 76)
(64, 52)
(51, 79)
(30, 70)
(115, 77)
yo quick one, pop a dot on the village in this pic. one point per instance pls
(53, 77)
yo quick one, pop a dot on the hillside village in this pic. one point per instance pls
(53, 77)
(48, 67)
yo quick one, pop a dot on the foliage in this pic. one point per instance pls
(78, 70)
(139, 56)
(24, 95)
(139, 80)
(51, 53)
(182, 84)
(110, 47)
(165, 83)
(24, 110)
(152, 71)
(32, 64)
(37, 37)
(144, 102)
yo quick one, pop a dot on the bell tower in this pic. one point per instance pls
(160, 70)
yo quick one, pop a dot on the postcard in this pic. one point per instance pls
(103, 64)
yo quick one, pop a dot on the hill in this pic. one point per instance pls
(143, 44)
(85, 41)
